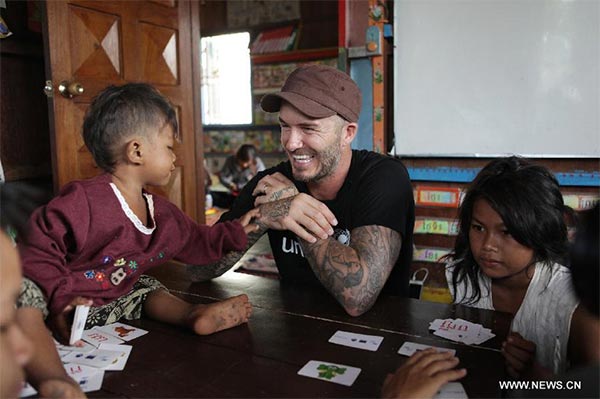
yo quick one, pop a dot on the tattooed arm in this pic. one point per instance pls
(198, 273)
(302, 214)
(355, 274)
(272, 188)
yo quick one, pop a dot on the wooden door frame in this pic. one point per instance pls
(199, 142)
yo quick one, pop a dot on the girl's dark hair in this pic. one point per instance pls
(122, 111)
(585, 260)
(528, 199)
(246, 152)
(17, 202)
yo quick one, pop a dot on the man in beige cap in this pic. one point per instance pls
(337, 217)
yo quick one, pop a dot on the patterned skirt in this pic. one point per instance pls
(127, 307)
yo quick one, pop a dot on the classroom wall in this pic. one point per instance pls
(485, 78)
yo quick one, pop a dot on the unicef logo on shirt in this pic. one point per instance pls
(342, 235)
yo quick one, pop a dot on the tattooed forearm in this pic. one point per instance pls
(355, 274)
(199, 273)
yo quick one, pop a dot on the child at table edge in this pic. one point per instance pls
(91, 244)
(508, 256)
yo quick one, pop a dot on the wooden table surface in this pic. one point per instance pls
(290, 326)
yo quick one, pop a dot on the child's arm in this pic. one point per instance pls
(202, 244)
(584, 337)
(520, 358)
(45, 370)
(247, 218)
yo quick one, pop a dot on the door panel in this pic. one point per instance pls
(99, 43)
(159, 50)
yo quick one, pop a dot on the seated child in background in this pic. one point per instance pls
(92, 243)
(512, 241)
(236, 172)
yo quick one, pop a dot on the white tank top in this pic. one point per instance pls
(544, 316)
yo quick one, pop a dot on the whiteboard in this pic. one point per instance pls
(496, 77)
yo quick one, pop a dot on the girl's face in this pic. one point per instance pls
(496, 252)
(160, 156)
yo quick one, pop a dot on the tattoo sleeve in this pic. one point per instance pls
(199, 273)
(355, 274)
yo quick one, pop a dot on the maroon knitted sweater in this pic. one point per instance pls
(87, 242)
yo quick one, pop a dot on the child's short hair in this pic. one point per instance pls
(119, 112)
(246, 153)
(528, 199)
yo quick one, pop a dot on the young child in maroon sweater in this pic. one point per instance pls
(93, 242)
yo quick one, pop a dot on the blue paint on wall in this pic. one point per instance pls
(466, 175)
(361, 72)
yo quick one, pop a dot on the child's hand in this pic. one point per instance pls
(422, 375)
(61, 388)
(60, 324)
(247, 218)
(519, 354)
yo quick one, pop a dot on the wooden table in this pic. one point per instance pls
(290, 326)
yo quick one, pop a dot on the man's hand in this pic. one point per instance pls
(60, 324)
(60, 388)
(519, 354)
(272, 188)
(302, 214)
(422, 375)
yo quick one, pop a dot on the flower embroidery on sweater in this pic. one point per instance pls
(120, 262)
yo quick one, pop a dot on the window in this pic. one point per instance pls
(225, 85)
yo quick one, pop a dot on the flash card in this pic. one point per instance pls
(91, 383)
(122, 331)
(78, 371)
(360, 341)
(64, 350)
(97, 337)
(460, 330)
(451, 390)
(119, 363)
(27, 390)
(338, 373)
(99, 358)
(409, 348)
(81, 314)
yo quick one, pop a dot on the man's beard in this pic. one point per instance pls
(328, 161)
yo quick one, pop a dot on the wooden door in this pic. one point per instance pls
(99, 43)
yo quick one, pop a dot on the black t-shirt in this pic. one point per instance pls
(377, 191)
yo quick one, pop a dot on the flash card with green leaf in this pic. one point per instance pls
(338, 373)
